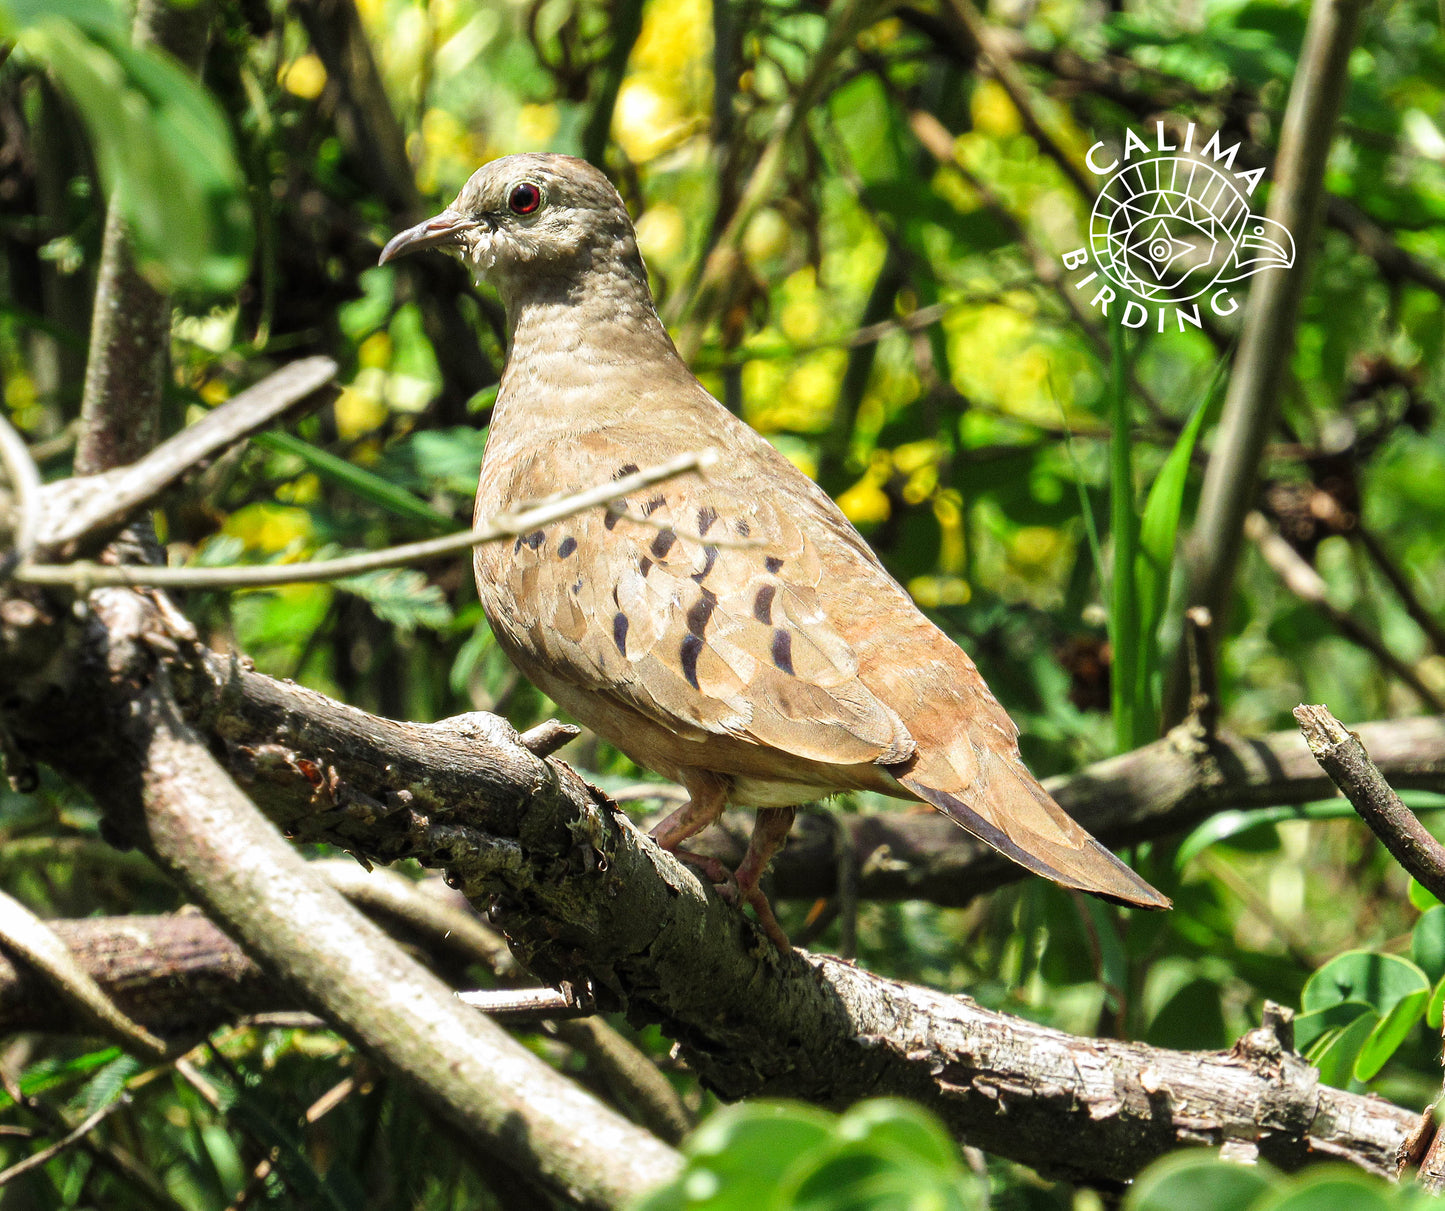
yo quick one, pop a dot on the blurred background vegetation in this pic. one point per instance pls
(882, 228)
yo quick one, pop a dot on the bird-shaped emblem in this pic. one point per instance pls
(1171, 228)
(731, 631)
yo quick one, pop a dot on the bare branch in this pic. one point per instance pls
(77, 508)
(502, 525)
(1344, 759)
(131, 324)
(1262, 363)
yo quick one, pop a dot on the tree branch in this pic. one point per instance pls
(200, 828)
(1343, 757)
(586, 899)
(503, 525)
(1262, 363)
(87, 507)
(131, 324)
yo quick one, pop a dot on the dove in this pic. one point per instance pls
(729, 630)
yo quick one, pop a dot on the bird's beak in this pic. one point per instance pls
(1266, 244)
(443, 231)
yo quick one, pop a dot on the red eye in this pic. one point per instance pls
(525, 198)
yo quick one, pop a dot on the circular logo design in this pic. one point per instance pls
(1171, 228)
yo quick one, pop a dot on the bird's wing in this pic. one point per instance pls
(702, 610)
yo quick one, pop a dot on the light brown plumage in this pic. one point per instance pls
(765, 674)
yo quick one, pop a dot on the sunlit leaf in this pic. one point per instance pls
(162, 143)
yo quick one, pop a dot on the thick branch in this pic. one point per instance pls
(199, 827)
(586, 899)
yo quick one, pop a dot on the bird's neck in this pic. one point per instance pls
(586, 348)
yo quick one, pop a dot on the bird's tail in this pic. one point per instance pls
(1004, 806)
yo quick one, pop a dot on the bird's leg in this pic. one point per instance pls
(707, 796)
(769, 833)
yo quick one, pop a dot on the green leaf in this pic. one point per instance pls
(895, 1123)
(1380, 980)
(1419, 897)
(1310, 1027)
(1155, 558)
(1199, 1181)
(401, 596)
(1334, 1190)
(162, 144)
(1124, 634)
(1385, 1038)
(109, 1082)
(354, 479)
(432, 459)
(1427, 942)
(1435, 1010)
(1335, 1053)
(737, 1158)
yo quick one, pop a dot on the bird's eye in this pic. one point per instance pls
(525, 198)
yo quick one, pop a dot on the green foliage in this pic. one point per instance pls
(881, 1155)
(1201, 1181)
(1356, 1010)
(164, 147)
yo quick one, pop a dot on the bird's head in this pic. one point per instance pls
(528, 217)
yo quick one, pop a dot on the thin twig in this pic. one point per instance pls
(502, 525)
(1261, 366)
(84, 1128)
(525, 1004)
(1308, 585)
(25, 484)
(1404, 590)
(1343, 757)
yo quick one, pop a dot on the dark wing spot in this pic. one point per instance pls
(705, 517)
(743, 529)
(653, 505)
(644, 565)
(577, 585)
(517, 546)
(535, 539)
(611, 519)
(701, 611)
(763, 604)
(691, 649)
(625, 470)
(710, 558)
(566, 547)
(662, 544)
(619, 631)
(783, 650)
(773, 564)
